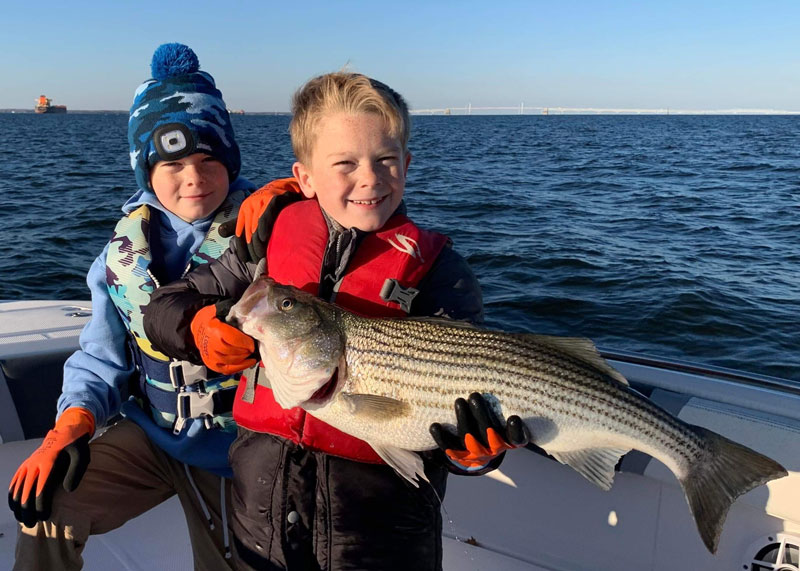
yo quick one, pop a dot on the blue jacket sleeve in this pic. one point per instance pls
(96, 376)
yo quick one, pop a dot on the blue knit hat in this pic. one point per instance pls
(177, 113)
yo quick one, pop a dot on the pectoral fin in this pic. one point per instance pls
(594, 464)
(374, 406)
(406, 463)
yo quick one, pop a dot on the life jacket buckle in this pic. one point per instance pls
(403, 296)
(194, 405)
(185, 374)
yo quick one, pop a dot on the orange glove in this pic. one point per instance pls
(222, 347)
(257, 216)
(481, 436)
(254, 205)
(61, 459)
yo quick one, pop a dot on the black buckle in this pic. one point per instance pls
(403, 296)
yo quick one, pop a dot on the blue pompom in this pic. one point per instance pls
(170, 60)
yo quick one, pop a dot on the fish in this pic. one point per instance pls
(385, 381)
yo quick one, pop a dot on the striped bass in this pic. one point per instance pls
(385, 381)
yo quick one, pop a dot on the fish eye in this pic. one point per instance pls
(287, 303)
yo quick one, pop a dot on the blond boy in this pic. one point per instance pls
(307, 496)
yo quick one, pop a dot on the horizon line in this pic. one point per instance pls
(516, 110)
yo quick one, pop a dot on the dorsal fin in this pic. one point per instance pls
(442, 321)
(580, 348)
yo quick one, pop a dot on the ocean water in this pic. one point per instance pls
(674, 236)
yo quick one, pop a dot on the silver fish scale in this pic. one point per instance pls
(431, 364)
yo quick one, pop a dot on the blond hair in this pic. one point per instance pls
(344, 92)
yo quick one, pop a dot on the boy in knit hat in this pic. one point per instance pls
(177, 424)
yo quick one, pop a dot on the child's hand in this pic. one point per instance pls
(257, 216)
(222, 347)
(61, 459)
(481, 436)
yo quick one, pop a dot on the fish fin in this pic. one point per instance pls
(375, 406)
(580, 348)
(443, 321)
(260, 269)
(721, 473)
(498, 475)
(594, 464)
(406, 463)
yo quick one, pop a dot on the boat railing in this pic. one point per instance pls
(747, 378)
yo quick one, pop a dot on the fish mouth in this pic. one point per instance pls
(325, 392)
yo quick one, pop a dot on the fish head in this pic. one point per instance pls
(299, 341)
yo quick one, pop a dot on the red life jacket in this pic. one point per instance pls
(400, 250)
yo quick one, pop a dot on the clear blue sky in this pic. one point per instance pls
(610, 54)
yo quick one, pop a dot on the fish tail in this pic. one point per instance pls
(725, 471)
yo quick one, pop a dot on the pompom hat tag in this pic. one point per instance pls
(177, 113)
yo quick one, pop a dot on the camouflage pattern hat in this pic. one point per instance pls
(177, 113)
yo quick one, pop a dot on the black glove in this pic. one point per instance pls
(481, 439)
(67, 471)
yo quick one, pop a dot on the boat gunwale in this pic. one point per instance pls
(710, 371)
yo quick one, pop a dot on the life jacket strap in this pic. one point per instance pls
(181, 374)
(249, 378)
(187, 397)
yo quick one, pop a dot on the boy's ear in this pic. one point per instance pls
(303, 176)
(408, 161)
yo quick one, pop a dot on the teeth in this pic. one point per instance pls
(376, 201)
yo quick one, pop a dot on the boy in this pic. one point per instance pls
(178, 425)
(307, 496)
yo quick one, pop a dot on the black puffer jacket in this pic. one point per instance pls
(298, 509)
(303, 510)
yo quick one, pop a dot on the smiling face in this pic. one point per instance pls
(192, 187)
(357, 170)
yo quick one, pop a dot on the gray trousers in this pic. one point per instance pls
(127, 475)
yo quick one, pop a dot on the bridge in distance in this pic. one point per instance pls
(522, 109)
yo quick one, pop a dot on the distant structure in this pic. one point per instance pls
(522, 109)
(44, 105)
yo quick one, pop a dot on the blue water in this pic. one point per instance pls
(674, 236)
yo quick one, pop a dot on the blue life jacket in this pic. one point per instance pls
(188, 404)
